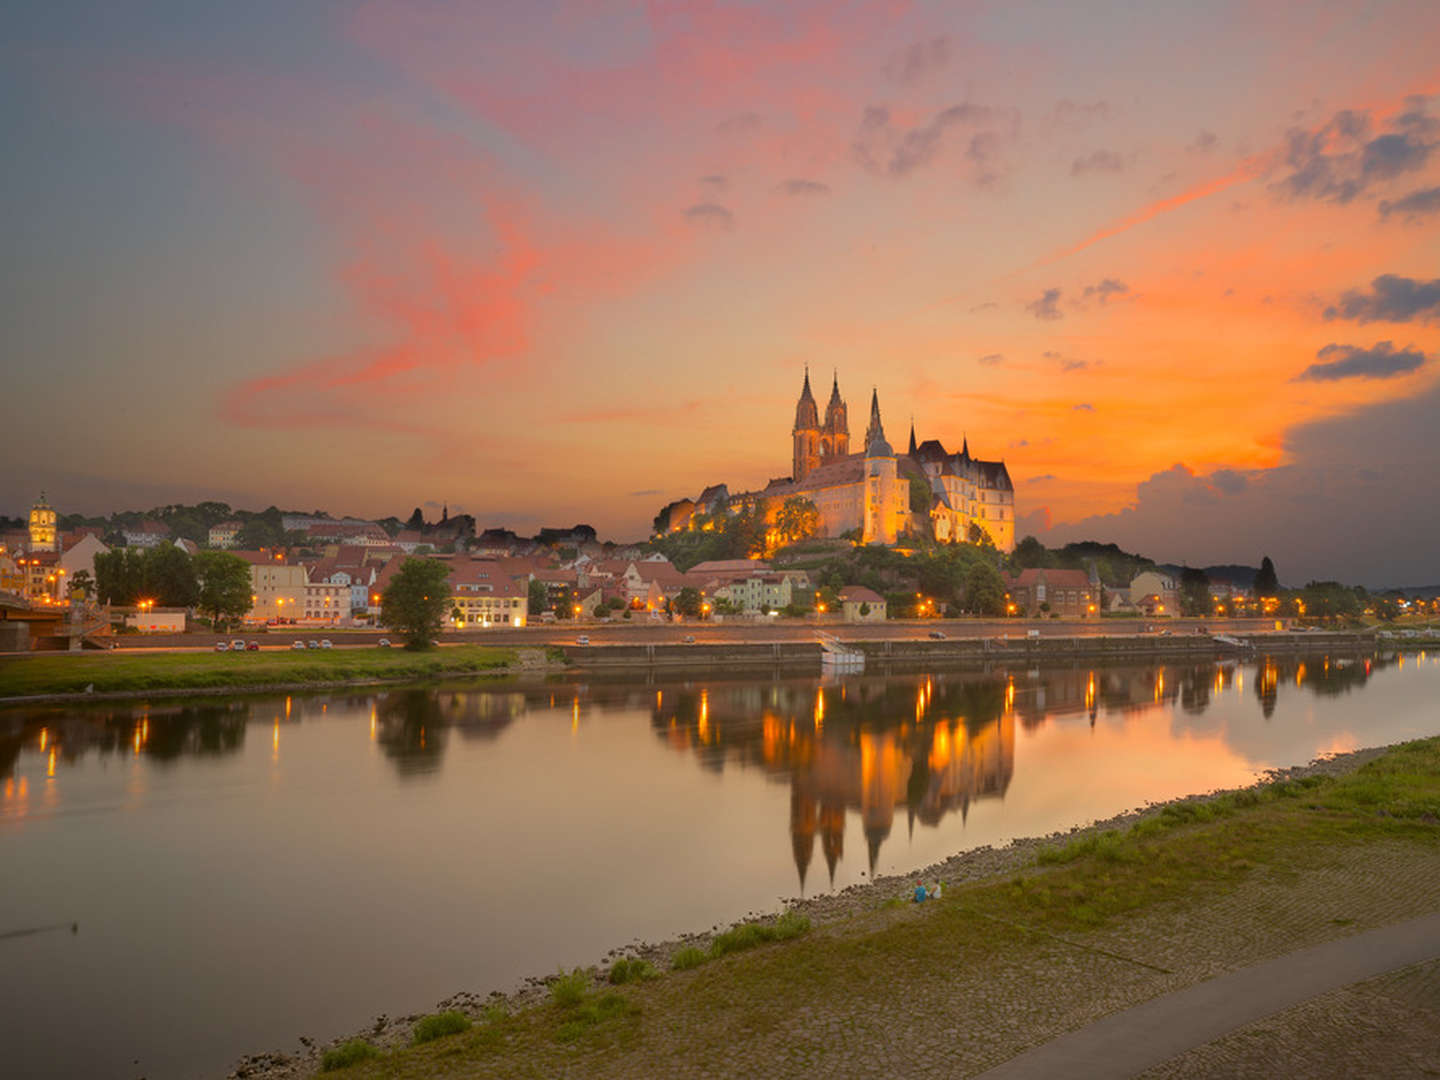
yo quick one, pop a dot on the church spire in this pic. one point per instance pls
(875, 427)
(807, 416)
(913, 447)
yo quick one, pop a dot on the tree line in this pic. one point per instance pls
(215, 583)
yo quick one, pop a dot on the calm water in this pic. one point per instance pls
(246, 872)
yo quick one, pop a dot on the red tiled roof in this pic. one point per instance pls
(859, 594)
(1069, 579)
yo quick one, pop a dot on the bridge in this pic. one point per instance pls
(26, 627)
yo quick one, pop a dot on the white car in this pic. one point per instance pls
(237, 645)
(325, 643)
(582, 640)
(384, 643)
(298, 645)
(220, 646)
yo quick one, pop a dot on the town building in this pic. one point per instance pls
(482, 595)
(1155, 593)
(859, 604)
(43, 535)
(1039, 590)
(157, 620)
(277, 587)
(223, 535)
(756, 592)
(147, 534)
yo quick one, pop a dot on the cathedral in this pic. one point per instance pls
(878, 495)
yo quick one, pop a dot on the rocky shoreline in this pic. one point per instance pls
(970, 866)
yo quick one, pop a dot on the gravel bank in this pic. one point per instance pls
(975, 865)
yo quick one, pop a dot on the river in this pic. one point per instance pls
(188, 881)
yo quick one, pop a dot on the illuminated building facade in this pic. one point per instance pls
(43, 536)
(877, 495)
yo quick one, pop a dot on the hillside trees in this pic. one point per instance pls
(798, 519)
(164, 574)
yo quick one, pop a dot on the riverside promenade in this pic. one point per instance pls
(1140, 1038)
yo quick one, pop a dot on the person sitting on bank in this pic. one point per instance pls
(920, 894)
(935, 892)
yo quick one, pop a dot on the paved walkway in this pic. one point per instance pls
(1129, 1042)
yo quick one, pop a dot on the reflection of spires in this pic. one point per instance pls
(875, 835)
(802, 831)
(832, 836)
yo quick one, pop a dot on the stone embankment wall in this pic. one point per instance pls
(963, 650)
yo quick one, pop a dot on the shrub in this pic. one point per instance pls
(608, 1006)
(347, 1054)
(438, 1025)
(687, 958)
(631, 970)
(748, 935)
(569, 990)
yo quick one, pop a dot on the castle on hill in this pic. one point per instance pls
(877, 493)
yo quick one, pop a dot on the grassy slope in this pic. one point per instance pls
(1191, 853)
(129, 671)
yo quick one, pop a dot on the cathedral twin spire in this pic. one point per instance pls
(816, 443)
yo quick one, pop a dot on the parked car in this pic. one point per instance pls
(583, 639)
(688, 639)
(297, 645)
(938, 635)
(254, 646)
(384, 643)
(325, 643)
(220, 646)
(312, 644)
(237, 645)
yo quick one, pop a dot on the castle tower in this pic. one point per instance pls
(42, 527)
(881, 483)
(835, 436)
(806, 433)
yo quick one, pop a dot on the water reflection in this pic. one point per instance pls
(296, 823)
(873, 746)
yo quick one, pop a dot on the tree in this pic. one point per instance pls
(224, 587)
(984, 590)
(979, 535)
(687, 602)
(1194, 592)
(258, 533)
(798, 519)
(82, 585)
(1266, 583)
(538, 599)
(415, 601)
(745, 533)
(169, 576)
(1028, 553)
(920, 495)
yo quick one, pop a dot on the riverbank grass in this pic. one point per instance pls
(735, 1010)
(348, 1053)
(112, 672)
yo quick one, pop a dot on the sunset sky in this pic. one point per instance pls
(1179, 265)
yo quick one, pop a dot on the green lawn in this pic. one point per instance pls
(1176, 861)
(193, 671)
